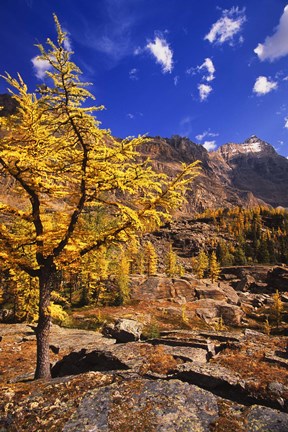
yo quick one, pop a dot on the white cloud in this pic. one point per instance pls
(209, 145)
(227, 27)
(162, 52)
(192, 71)
(200, 137)
(67, 42)
(113, 35)
(40, 67)
(286, 123)
(204, 91)
(133, 74)
(176, 80)
(275, 46)
(186, 126)
(113, 47)
(135, 115)
(209, 66)
(205, 134)
(138, 51)
(263, 86)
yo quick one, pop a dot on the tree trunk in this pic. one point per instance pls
(47, 280)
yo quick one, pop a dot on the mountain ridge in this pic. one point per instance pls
(236, 174)
(246, 174)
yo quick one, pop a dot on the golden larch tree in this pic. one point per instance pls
(214, 267)
(172, 267)
(200, 264)
(60, 166)
(151, 259)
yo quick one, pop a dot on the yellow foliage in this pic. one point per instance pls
(151, 259)
(172, 267)
(61, 167)
(267, 326)
(214, 268)
(277, 307)
(200, 264)
(123, 272)
(57, 313)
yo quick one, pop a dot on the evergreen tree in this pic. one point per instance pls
(239, 256)
(223, 254)
(262, 252)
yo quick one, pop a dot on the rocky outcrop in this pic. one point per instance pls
(210, 310)
(142, 405)
(161, 287)
(263, 419)
(124, 386)
(123, 330)
(167, 406)
(277, 279)
(217, 291)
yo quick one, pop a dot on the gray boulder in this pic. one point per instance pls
(142, 405)
(209, 309)
(124, 330)
(263, 419)
(217, 291)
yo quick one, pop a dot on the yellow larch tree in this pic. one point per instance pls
(200, 264)
(172, 267)
(214, 267)
(60, 166)
(150, 259)
(122, 277)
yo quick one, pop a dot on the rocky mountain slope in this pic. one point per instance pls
(255, 166)
(244, 174)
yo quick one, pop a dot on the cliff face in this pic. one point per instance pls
(244, 174)
(229, 177)
(255, 166)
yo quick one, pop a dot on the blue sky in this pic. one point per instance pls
(214, 71)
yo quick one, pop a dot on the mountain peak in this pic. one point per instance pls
(252, 138)
(253, 146)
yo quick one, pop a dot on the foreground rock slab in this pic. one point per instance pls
(142, 405)
(263, 419)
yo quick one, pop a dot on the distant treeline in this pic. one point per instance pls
(256, 235)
